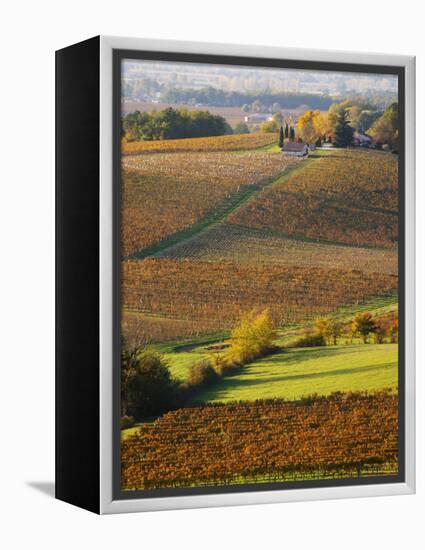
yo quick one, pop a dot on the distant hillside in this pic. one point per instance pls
(222, 98)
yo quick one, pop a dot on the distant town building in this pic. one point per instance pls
(295, 149)
(258, 117)
(361, 140)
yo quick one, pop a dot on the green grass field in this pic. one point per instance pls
(298, 372)
(180, 362)
(182, 354)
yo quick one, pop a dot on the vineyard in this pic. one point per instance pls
(163, 193)
(203, 291)
(227, 242)
(348, 197)
(344, 435)
(241, 142)
(139, 328)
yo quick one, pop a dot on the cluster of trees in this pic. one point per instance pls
(148, 389)
(385, 130)
(277, 124)
(141, 88)
(328, 330)
(339, 123)
(334, 126)
(249, 101)
(173, 124)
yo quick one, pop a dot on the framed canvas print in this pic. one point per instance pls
(235, 274)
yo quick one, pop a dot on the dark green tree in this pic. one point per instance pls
(291, 134)
(172, 123)
(241, 128)
(343, 131)
(281, 134)
(147, 388)
(286, 131)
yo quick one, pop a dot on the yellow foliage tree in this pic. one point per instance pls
(322, 125)
(329, 328)
(252, 337)
(307, 127)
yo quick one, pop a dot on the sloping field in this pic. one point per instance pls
(238, 142)
(349, 196)
(163, 193)
(226, 242)
(297, 372)
(222, 292)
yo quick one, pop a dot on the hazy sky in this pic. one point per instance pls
(242, 78)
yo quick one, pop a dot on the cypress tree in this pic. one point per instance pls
(291, 134)
(281, 137)
(286, 131)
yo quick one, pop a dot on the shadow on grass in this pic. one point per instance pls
(293, 356)
(306, 376)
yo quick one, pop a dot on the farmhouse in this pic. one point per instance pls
(258, 117)
(361, 140)
(295, 149)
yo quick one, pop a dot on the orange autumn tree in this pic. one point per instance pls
(307, 127)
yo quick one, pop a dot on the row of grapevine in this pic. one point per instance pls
(239, 142)
(242, 244)
(202, 291)
(350, 197)
(164, 193)
(343, 435)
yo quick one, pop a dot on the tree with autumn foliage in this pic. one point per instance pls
(329, 328)
(269, 127)
(252, 337)
(323, 126)
(307, 127)
(363, 324)
(385, 129)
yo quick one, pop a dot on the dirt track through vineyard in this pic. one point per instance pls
(216, 218)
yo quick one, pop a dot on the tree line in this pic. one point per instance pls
(329, 330)
(149, 389)
(249, 101)
(337, 126)
(342, 120)
(173, 124)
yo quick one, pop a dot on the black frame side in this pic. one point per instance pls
(77, 275)
(399, 71)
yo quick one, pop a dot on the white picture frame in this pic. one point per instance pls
(107, 503)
